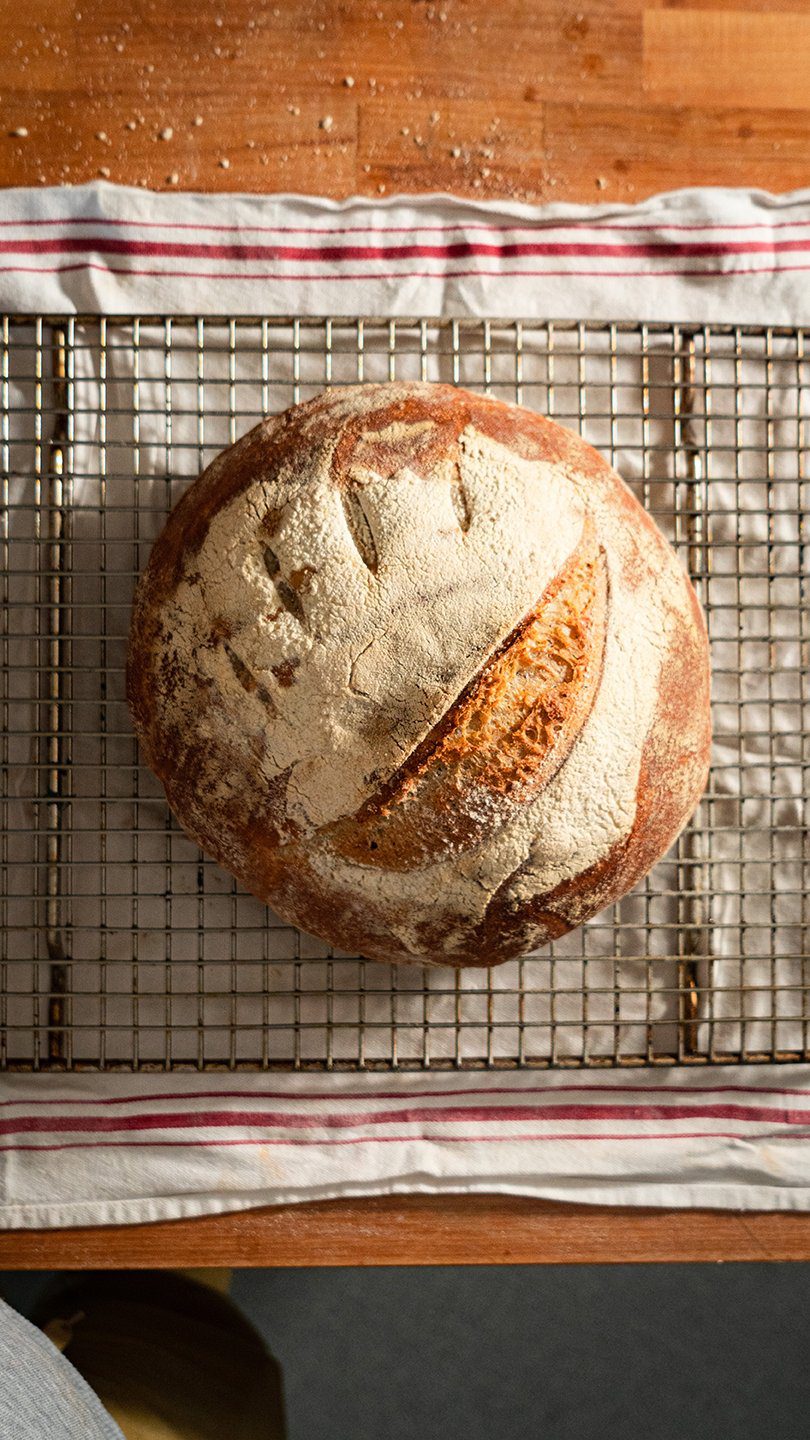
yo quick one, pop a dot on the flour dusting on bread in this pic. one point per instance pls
(347, 668)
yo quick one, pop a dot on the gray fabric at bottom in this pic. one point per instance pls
(42, 1397)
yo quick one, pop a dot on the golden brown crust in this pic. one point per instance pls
(509, 733)
(504, 738)
(673, 774)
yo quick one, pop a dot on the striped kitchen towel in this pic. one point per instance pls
(695, 255)
(119, 1149)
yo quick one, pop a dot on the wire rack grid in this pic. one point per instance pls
(124, 948)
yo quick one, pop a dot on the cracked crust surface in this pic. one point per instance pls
(415, 666)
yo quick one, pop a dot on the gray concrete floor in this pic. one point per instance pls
(614, 1352)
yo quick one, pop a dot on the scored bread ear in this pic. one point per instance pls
(502, 740)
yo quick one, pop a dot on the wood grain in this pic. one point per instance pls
(709, 147)
(419, 1230)
(723, 58)
(530, 99)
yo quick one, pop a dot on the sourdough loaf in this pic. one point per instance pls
(419, 671)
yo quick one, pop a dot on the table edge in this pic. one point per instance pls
(419, 1230)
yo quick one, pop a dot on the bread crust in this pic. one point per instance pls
(463, 756)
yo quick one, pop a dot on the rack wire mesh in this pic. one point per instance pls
(124, 948)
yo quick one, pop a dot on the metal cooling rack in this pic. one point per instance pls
(124, 948)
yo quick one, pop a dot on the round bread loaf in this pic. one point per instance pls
(419, 671)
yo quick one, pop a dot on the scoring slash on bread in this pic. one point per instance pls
(416, 668)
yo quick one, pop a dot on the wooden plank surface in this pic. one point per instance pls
(721, 58)
(527, 99)
(419, 1230)
(532, 99)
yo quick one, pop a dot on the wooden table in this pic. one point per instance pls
(418, 1230)
(529, 99)
(533, 99)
